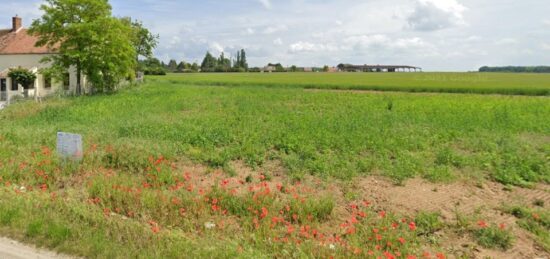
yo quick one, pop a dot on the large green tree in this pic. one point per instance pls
(209, 63)
(88, 38)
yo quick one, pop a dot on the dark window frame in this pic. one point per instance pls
(14, 85)
(47, 82)
(3, 84)
(66, 81)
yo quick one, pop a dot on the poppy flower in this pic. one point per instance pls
(440, 256)
(264, 213)
(482, 224)
(412, 226)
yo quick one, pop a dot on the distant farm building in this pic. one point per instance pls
(377, 68)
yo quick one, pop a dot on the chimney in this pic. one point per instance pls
(17, 23)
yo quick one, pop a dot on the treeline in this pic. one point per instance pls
(516, 69)
(238, 63)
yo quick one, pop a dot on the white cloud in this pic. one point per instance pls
(304, 46)
(275, 29)
(249, 31)
(431, 15)
(265, 3)
(216, 47)
(506, 41)
(545, 46)
(278, 41)
(546, 22)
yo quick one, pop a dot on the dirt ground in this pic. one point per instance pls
(416, 195)
(10, 249)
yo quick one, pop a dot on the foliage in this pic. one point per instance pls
(87, 36)
(534, 221)
(23, 76)
(512, 69)
(494, 237)
(152, 66)
(143, 40)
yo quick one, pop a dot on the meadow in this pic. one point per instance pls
(483, 83)
(197, 165)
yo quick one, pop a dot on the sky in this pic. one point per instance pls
(437, 35)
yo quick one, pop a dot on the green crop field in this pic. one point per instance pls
(134, 195)
(488, 83)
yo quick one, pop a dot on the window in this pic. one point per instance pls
(66, 81)
(3, 84)
(14, 85)
(47, 81)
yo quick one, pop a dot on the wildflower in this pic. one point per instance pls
(440, 256)
(426, 255)
(411, 257)
(182, 211)
(264, 213)
(382, 214)
(536, 216)
(412, 226)
(332, 247)
(402, 240)
(502, 226)
(44, 187)
(290, 229)
(350, 231)
(389, 255)
(155, 229)
(482, 224)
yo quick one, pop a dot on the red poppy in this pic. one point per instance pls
(264, 213)
(440, 256)
(412, 226)
(482, 224)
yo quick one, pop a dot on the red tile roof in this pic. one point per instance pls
(20, 42)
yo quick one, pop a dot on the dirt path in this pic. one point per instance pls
(10, 249)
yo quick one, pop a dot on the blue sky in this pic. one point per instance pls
(438, 35)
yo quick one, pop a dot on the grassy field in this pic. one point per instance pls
(487, 83)
(269, 155)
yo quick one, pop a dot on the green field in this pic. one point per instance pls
(136, 141)
(488, 83)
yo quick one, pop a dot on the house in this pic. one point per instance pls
(18, 49)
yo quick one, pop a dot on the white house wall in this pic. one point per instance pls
(32, 61)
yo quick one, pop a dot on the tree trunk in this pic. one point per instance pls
(78, 75)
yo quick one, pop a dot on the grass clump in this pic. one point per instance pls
(494, 237)
(536, 221)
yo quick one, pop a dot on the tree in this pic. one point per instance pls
(293, 68)
(195, 67)
(209, 63)
(244, 63)
(326, 68)
(143, 40)
(23, 77)
(173, 65)
(181, 66)
(88, 38)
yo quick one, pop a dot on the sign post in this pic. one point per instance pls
(69, 146)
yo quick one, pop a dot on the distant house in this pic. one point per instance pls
(378, 68)
(269, 69)
(18, 49)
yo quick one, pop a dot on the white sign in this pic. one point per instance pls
(69, 146)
